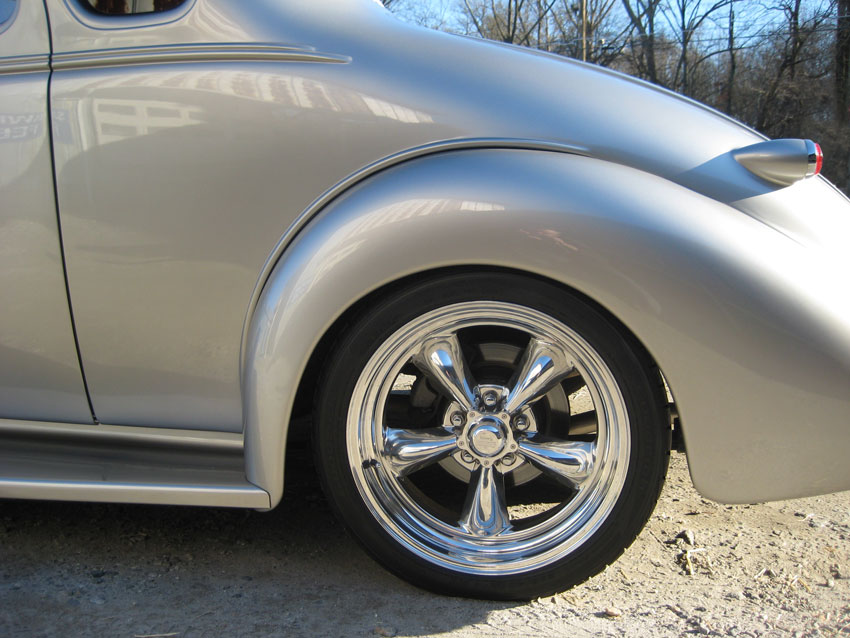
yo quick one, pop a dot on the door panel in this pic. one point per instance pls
(177, 175)
(39, 370)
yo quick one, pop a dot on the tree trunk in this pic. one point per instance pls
(733, 61)
(842, 61)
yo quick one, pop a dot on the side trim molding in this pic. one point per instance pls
(124, 434)
(24, 64)
(225, 52)
(160, 494)
(118, 464)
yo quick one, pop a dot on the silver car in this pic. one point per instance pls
(490, 278)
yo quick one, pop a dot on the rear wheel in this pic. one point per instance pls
(490, 435)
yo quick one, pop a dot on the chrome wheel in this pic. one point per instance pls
(506, 446)
(495, 428)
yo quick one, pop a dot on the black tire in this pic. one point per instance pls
(435, 386)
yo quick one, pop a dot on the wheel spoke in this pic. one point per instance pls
(570, 462)
(441, 359)
(542, 367)
(411, 450)
(485, 512)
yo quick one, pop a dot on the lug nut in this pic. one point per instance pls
(521, 422)
(456, 419)
(490, 399)
(509, 459)
(466, 457)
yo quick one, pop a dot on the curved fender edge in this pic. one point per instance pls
(751, 328)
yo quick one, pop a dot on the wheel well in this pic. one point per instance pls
(305, 396)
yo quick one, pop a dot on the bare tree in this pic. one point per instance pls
(588, 30)
(685, 19)
(796, 59)
(643, 15)
(511, 21)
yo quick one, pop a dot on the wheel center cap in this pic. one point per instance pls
(487, 437)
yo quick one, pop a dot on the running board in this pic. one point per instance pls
(118, 464)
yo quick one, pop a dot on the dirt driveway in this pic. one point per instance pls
(66, 569)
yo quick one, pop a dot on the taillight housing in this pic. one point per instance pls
(782, 161)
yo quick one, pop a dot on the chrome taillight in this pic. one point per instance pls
(782, 161)
(815, 158)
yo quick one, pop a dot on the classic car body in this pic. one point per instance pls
(197, 201)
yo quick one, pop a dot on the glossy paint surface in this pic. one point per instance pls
(176, 180)
(201, 150)
(39, 372)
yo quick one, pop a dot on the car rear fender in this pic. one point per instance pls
(749, 326)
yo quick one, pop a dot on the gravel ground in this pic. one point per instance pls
(779, 569)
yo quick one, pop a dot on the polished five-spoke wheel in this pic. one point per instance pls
(490, 446)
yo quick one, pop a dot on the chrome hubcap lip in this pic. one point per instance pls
(451, 545)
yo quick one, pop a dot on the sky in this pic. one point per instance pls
(445, 13)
